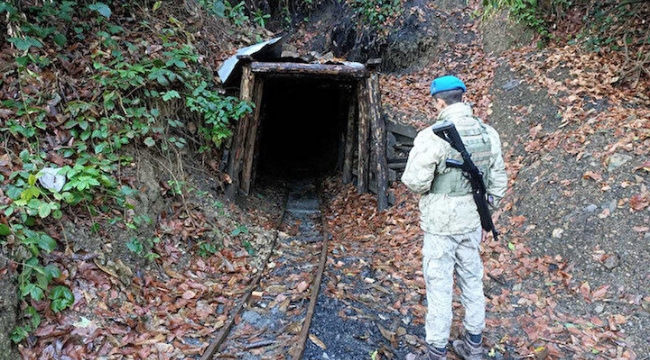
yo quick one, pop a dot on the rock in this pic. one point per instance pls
(511, 84)
(611, 262)
(599, 308)
(612, 205)
(557, 233)
(617, 160)
(590, 208)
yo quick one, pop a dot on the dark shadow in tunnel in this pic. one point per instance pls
(302, 127)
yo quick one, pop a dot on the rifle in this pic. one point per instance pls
(447, 131)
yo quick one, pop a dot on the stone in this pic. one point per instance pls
(617, 160)
(611, 262)
(590, 208)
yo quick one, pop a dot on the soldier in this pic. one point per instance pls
(450, 221)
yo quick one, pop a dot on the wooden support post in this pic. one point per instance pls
(378, 126)
(239, 140)
(363, 131)
(350, 134)
(251, 137)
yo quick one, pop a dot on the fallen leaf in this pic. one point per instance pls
(317, 341)
(189, 294)
(600, 292)
(302, 286)
(592, 175)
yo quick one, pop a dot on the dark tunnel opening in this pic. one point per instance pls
(302, 126)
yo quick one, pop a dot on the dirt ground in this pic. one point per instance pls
(566, 213)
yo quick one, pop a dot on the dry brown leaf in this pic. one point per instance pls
(189, 294)
(592, 175)
(317, 341)
(599, 293)
(639, 202)
(302, 286)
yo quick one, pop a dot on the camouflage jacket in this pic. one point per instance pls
(440, 213)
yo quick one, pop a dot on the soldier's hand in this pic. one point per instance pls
(484, 236)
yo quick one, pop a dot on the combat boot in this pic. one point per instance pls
(431, 354)
(467, 349)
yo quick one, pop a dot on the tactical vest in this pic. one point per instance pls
(477, 142)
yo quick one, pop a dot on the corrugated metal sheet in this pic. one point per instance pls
(267, 48)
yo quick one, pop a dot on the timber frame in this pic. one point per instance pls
(365, 135)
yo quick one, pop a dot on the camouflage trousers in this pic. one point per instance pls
(442, 256)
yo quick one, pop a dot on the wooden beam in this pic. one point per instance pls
(404, 130)
(350, 133)
(378, 126)
(251, 137)
(344, 71)
(239, 140)
(363, 127)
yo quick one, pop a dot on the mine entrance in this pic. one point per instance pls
(303, 123)
(311, 117)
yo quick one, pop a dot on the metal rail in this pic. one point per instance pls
(296, 351)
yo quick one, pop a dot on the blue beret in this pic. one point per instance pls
(446, 83)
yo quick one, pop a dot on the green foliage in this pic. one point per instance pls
(249, 247)
(143, 247)
(174, 70)
(216, 110)
(377, 13)
(528, 12)
(259, 17)
(61, 297)
(241, 229)
(207, 249)
(19, 333)
(47, 21)
(616, 27)
(224, 9)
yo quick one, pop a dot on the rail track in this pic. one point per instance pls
(273, 317)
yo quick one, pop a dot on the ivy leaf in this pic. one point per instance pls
(171, 94)
(135, 246)
(100, 147)
(60, 39)
(26, 43)
(7, 7)
(32, 290)
(44, 209)
(14, 192)
(149, 141)
(61, 298)
(101, 8)
(220, 8)
(242, 229)
(19, 334)
(45, 242)
(51, 271)
(4, 230)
